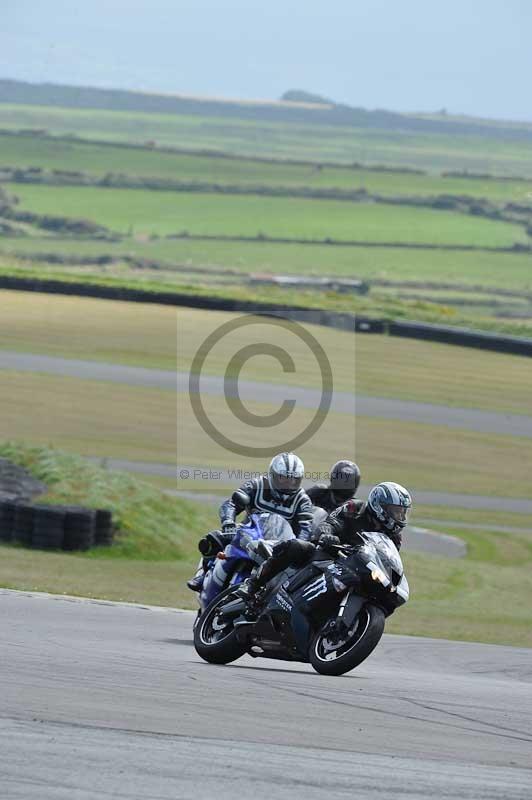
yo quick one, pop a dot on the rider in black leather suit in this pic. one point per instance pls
(386, 511)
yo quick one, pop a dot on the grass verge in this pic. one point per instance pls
(454, 514)
(483, 597)
(93, 418)
(386, 449)
(152, 525)
(117, 332)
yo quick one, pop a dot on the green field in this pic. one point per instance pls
(459, 287)
(435, 152)
(163, 213)
(402, 264)
(97, 160)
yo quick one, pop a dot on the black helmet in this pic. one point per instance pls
(390, 504)
(345, 477)
(285, 474)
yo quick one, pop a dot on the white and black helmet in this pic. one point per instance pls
(285, 474)
(390, 503)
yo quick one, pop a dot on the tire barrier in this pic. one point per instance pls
(48, 527)
(103, 530)
(79, 528)
(7, 519)
(464, 337)
(23, 524)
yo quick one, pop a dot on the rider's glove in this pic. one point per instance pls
(319, 531)
(327, 541)
(229, 528)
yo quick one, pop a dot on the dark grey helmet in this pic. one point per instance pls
(345, 478)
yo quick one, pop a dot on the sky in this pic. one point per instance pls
(467, 56)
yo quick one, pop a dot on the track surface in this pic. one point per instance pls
(101, 700)
(342, 402)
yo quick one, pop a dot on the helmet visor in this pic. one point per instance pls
(397, 513)
(287, 484)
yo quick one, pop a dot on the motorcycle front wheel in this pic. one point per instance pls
(215, 638)
(336, 655)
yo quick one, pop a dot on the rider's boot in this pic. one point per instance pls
(196, 583)
(251, 590)
(267, 570)
(252, 596)
(209, 546)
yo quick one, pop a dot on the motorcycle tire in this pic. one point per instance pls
(212, 648)
(355, 649)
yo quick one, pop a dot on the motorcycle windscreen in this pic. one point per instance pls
(384, 551)
(274, 528)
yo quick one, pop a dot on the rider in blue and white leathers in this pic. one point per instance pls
(278, 492)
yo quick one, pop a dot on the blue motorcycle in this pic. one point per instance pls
(250, 546)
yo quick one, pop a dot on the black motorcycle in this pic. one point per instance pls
(329, 613)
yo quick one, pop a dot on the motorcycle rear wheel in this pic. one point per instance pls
(360, 641)
(214, 640)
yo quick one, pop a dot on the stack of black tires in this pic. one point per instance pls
(55, 527)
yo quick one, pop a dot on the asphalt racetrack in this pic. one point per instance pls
(100, 700)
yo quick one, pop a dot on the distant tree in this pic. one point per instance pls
(300, 96)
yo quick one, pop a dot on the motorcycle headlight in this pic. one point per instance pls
(378, 575)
